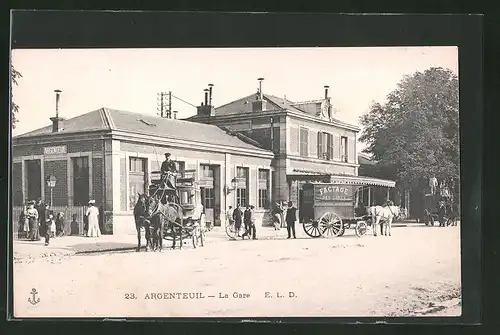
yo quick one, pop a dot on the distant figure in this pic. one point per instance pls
(249, 218)
(441, 209)
(237, 217)
(433, 183)
(93, 220)
(229, 215)
(74, 227)
(277, 215)
(60, 224)
(32, 215)
(291, 218)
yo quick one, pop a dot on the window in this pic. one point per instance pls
(263, 189)
(137, 179)
(208, 197)
(80, 181)
(242, 188)
(325, 146)
(207, 172)
(303, 142)
(343, 149)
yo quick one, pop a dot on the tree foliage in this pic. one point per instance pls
(416, 132)
(15, 75)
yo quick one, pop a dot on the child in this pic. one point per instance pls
(74, 226)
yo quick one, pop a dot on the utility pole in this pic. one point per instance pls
(169, 113)
(164, 106)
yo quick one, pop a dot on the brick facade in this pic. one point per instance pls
(59, 169)
(97, 180)
(17, 176)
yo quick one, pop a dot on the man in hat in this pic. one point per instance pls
(167, 169)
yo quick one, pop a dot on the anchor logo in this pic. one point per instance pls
(35, 299)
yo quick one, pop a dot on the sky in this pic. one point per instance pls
(130, 79)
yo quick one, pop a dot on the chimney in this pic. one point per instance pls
(205, 109)
(175, 114)
(327, 98)
(260, 87)
(210, 94)
(259, 104)
(326, 91)
(57, 122)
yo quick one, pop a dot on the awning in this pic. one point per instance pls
(342, 179)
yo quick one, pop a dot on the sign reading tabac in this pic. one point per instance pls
(54, 150)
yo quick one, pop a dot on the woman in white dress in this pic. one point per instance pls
(93, 220)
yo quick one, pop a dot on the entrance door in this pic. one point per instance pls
(208, 201)
(34, 179)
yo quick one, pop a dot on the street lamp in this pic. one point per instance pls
(51, 183)
(234, 184)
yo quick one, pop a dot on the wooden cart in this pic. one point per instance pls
(328, 209)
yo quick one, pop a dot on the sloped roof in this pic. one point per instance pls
(92, 121)
(365, 160)
(111, 119)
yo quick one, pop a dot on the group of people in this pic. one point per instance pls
(282, 216)
(37, 220)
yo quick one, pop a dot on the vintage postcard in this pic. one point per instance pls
(236, 182)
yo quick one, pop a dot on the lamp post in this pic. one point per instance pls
(51, 183)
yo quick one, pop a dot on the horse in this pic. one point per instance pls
(387, 213)
(160, 214)
(142, 220)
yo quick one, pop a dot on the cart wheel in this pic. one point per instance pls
(311, 228)
(330, 225)
(230, 231)
(361, 228)
(342, 231)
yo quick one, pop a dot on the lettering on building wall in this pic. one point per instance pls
(62, 149)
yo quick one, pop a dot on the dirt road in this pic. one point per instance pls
(401, 275)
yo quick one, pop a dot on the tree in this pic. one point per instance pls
(14, 107)
(415, 134)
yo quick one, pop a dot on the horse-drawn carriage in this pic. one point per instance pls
(431, 209)
(179, 207)
(329, 209)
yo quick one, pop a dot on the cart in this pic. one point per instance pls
(431, 211)
(328, 209)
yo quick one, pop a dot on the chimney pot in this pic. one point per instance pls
(326, 91)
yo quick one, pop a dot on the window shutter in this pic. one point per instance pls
(330, 146)
(320, 144)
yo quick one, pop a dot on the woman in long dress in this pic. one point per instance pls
(93, 220)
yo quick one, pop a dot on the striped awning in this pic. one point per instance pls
(344, 179)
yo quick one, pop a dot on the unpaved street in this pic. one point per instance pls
(414, 269)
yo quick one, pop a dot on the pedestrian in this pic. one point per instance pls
(237, 217)
(32, 215)
(291, 218)
(74, 226)
(23, 224)
(277, 214)
(441, 213)
(229, 216)
(60, 224)
(249, 218)
(48, 227)
(283, 213)
(41, 208)
(93, 220)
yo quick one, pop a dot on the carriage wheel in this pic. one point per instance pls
(311, 228)
(230, 231)
(361, 228)
(330, 225)
(342, 231)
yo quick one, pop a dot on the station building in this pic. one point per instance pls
(255, 150)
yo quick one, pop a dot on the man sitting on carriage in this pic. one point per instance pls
(168, 169)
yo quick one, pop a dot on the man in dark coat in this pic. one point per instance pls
(441, 213)
(250, 223)
(237, 216)
(167, 168)
(291, 218)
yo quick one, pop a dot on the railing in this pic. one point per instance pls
(79, 211)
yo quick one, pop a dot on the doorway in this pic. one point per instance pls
(210, 198)
(34, 179)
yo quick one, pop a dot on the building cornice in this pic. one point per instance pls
(320, 161)
(190, 145)
(61, 137)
